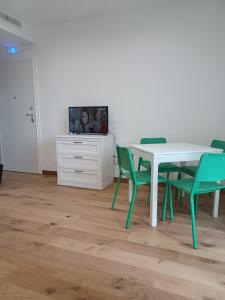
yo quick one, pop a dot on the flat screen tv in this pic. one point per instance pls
(88, 120)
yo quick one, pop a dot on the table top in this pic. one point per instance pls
(174, 148)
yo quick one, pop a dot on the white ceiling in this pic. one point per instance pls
(55, 11)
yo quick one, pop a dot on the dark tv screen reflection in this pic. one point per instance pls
(88, 120)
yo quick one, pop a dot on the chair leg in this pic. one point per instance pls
(171, 204)
(139, 163)
(116, 192)
(196, 204)
(194, 233)
(131, 207)
(177, 191)
(165, 202)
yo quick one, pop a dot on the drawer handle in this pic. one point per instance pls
(79, 157)
(78, 171)
(77, 142)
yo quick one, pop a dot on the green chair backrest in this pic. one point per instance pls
(211, 169)
(125, 162)
(158, 140)
(218, 144)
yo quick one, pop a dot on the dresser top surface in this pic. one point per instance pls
(87, 137)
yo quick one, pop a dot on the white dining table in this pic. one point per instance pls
(170, 152)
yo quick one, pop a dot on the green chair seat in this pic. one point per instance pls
(209, 173)
(163, 167)
(204, 187)
(126, 168)
(144, 177)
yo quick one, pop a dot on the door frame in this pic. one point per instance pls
(37, 111)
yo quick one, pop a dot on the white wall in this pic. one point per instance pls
(161, 71)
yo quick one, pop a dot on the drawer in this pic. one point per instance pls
(78, 146)
(78, 176)
(78, 161)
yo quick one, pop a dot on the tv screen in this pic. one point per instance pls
(88, 119)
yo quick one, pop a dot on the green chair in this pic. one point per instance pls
(163, 167)
(126, 168)
(210, 172)
(191, 170)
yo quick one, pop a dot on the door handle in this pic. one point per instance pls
(29, 115)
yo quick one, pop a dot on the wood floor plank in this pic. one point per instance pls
(66, 243)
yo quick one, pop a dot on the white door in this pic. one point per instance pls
(17, 117)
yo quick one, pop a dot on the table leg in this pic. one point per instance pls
(154, 193)
(182, 175)
(131, 187)
(216, 204)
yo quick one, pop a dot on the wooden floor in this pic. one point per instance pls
(65, 243)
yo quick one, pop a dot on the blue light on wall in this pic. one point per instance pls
(12, 50)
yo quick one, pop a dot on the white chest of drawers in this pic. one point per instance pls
(85, 160)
